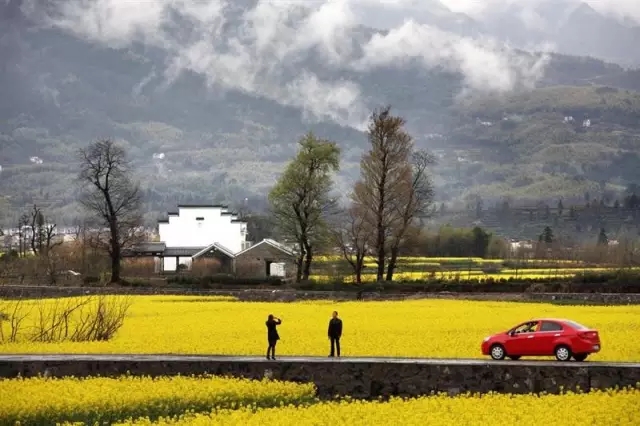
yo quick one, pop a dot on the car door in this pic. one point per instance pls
(520, 341)
(546, 338)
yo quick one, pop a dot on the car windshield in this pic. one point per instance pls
(576, 325)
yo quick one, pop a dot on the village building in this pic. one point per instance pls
(201, 232)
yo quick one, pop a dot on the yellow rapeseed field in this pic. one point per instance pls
(596, 408)
(224, 401)
(105, 400)
(418, 328)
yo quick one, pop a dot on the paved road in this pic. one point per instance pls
(8, 358)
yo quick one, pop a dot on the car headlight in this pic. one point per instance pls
(486, 339)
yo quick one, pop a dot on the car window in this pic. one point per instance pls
(550, 326)
(528, 327)
(576, 325)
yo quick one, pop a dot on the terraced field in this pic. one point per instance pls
(332, 268)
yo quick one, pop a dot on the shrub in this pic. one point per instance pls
(84, 319)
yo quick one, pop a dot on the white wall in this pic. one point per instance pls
(185, 231)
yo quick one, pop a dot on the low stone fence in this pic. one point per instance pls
(283, 295)
(364, 378)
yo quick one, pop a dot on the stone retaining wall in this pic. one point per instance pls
(365, 378)
(278, 295)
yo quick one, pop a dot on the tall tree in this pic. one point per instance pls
(412, 203)
(301, 201)
(111, 196)
(385, 189)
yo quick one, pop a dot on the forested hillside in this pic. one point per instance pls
(191, 144)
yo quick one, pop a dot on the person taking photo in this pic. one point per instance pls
(272, 335)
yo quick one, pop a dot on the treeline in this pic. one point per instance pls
(456, 242)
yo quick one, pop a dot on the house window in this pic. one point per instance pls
(199, 218)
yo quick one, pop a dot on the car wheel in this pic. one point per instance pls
(563, 353)
(580, 357)
(497, 352)
(515, 357)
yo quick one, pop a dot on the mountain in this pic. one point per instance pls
(572, 27)
(192, 139)
(553, 143)
(429, 12)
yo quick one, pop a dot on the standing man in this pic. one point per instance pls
(335, 332)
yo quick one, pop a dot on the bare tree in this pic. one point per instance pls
(112, 197)
(37, 226)
(411, 203)
(351, 234)
(23, 222)
(386, 176)
(43, 233)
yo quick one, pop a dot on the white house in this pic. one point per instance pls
(195, 230)
(211, 231)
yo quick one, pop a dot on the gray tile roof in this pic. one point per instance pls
(216, 247)
(149, 247)
(181, 251)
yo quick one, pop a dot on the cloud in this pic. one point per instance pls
(266, 48)
(485, 65)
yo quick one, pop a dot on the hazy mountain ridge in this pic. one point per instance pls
(566, 26)
(191, 144)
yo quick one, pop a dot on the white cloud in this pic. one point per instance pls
(265, 50)
(486, 66)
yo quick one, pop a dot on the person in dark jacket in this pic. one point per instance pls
(272, 335)
(335, 332)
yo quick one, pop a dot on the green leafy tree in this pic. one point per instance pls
(301, 199)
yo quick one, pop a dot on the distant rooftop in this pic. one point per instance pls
(203, 206)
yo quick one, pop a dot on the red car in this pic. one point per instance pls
(561, 338)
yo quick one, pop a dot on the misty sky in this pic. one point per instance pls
(621, 8)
